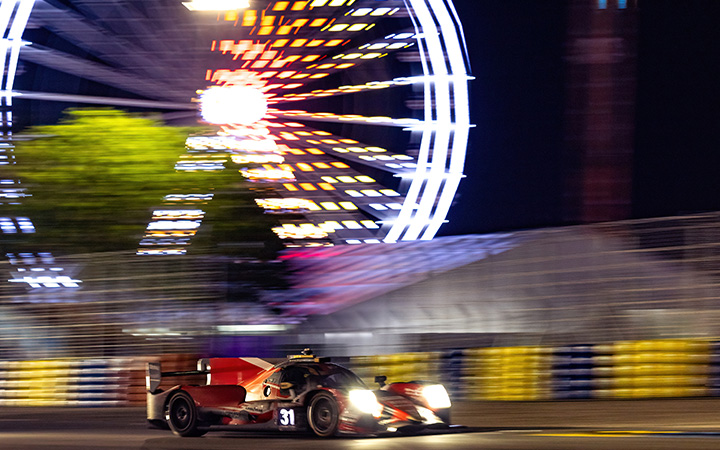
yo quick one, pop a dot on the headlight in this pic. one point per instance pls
(436, 396)
(366, 402)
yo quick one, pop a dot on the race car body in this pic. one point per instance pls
(302, 393)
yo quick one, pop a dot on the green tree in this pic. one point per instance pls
(96, 177)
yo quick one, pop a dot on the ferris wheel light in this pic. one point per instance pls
(216, 5)
(241, 105)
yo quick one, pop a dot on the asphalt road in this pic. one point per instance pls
(635, 425)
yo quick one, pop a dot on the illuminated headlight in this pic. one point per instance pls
(436, 396)
(366, 402)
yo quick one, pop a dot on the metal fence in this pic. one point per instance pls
(645, 279)
(117, 304)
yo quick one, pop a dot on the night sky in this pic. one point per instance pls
(517, 101)
(518, 98)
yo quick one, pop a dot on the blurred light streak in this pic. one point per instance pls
(12, 41)
(243, 329)
(216, 5)
(47, 281)
(347, 118)
(89, 99)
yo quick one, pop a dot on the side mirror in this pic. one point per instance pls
(381, 379)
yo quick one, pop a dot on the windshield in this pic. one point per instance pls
(327, 374)
(341, 378)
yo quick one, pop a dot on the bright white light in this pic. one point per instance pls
(436, 396)
(232, 105)
(444, 138)
(216, 5)
(51, 282)
(366, 402)
(174, 225)
(267, 328)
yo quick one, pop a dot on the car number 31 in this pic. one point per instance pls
(286, 417)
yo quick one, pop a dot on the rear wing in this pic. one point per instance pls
(154, 373)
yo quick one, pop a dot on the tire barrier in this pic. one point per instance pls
(93, 382)
(653, 369)
(398, 366)
(714, 370)
(573, 372)
(621, 370)
(508, 373)
(86, 382)
(452, 367)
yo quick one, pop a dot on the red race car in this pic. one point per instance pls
(301, 393)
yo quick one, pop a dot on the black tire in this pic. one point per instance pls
(323, 415)
(182, 416)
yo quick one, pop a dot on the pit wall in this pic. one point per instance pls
(620, 370)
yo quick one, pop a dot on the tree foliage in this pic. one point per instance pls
(96, 177)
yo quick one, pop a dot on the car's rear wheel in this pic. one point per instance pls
(323, 416)
(182, 416)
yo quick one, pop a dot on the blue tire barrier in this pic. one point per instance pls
(452, 366)
(714, 370)
(573, 375)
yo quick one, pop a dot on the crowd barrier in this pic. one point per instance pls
(621, 370)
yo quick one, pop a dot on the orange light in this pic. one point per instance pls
(249, 18)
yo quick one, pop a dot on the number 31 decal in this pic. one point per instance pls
(286, 417)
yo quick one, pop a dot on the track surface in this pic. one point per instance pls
(638, 424)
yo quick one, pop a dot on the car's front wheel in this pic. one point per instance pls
(182, 416)
(323, 416)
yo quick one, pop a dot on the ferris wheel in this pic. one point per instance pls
(355, 112)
